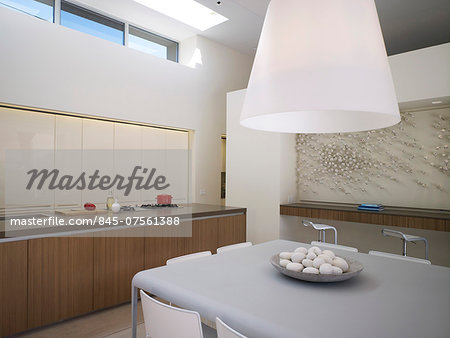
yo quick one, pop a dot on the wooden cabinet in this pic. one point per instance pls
(116, 261)
(231, 230)
(159, 249)
(60, 272)
(402, 219)
(13, 287)
(46, 280)
(204, 235)
(207, 234)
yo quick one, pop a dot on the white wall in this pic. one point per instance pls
(422, 74)
(49, 66)
(254, 172)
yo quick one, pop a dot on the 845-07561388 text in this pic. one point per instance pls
(156, 220)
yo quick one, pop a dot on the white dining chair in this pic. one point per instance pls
(225, 248)
(164, 321)
(224, 331)
(334, 246)
(321, 228)
(394, 256)
(184, 258)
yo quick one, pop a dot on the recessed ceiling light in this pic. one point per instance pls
(189, 12)
(436, 102)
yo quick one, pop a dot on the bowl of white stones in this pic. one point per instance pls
(315, 265)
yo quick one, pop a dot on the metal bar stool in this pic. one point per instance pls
(321, 228)
(406, 238)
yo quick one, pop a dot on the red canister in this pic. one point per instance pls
(164, 199)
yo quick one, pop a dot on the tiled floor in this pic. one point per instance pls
(112, 323)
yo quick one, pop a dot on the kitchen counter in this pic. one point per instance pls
(430, 219)
(185, 212)
(55, 273)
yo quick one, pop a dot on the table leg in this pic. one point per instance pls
(134, 295)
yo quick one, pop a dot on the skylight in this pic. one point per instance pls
(189, 12)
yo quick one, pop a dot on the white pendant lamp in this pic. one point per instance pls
(321, 67)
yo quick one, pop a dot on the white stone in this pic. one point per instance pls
(311, 270)
(297, 267)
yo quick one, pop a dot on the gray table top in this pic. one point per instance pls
(390, 298)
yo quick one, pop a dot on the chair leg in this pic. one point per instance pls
(404, 248)
(320, 235)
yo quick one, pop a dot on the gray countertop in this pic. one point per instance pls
(390, 298)
(184, 212)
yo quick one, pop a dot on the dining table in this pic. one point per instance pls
(389, 298)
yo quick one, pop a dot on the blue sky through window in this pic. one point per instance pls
(91, 27)
(32, 7)
(147, 46)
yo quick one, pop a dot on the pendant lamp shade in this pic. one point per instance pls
(320, 67)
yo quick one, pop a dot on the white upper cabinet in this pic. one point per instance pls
(177, 165)
(127, 156)
(82, 146)
(98, 155)
(26, 143)
(153, 157)
(68, 157)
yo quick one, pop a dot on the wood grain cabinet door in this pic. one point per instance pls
(204, 235)
(231, 230)
(13, 287)
(60, 279)
(159, 249)
(116, 261)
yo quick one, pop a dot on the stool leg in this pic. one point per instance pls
(320, 235)
(335, 235)
(426, 249)
(404, 248)
(323, 236)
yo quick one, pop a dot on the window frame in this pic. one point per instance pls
(126, 28)
(50, 3)
(91, 15)
(172, 46)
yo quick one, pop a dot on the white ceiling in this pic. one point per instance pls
(406, 24)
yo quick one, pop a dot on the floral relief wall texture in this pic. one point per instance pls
(403, 165)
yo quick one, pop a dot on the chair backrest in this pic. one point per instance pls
(224, 331)
(334, 246)
(188, 257)
(162, 320)
(394, 256)
(225, 248)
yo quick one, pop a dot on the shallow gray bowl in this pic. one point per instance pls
(355, 268)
